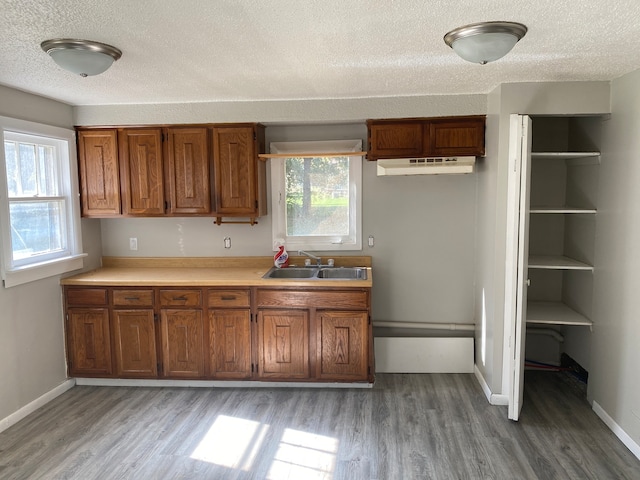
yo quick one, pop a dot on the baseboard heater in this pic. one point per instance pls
(424, 354)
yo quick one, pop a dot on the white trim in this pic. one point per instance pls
(37, 403)
(30, 273)
(617, 430)
(129, 382)
(352, 241)
(492, 398)
(18, 273)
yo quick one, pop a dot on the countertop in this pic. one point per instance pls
(209, 272)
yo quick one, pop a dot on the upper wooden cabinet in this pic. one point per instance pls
(239, 175)
(425, 137)
(142, 171)
(188, 171)
(173, 170)
(99, 172)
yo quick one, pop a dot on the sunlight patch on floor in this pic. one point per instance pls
(231, 442)
(304, 455)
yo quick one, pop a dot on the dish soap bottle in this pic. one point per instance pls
(281, 258)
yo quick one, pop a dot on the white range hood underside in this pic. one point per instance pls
(426, 166)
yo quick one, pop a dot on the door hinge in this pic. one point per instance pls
(368, 370)
(162, 135)
(255, 137)
(252, 368)
(159, 367)
(155, 317)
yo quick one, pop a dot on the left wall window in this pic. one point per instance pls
(39, 207)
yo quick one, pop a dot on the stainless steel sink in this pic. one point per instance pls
(347, 273)
(290, 273)
(314, 273)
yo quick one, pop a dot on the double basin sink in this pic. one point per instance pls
(318, 273)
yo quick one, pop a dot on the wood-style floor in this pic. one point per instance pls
(406, 427)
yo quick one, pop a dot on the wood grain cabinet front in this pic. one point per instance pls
(426, 137)
(99, 173)
(142, 170)
(89, 342)
(342, 345)
(182, 332)
(283, 344)
(188, 171)
(135, 343)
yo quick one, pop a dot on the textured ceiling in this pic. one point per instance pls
(246, 50)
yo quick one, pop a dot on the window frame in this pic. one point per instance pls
(278, 197)
(68, 259)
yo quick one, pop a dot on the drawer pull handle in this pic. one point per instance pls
(180, 299)
(131, 299)
(228, 297)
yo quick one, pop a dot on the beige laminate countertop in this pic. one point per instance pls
(163, 274)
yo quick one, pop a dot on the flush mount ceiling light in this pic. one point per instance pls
(82, 57)
(485, 42)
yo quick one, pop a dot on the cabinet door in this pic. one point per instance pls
(396, 139)
(142, 171)
(283, 344)
(135, 340)
(342, 345)
(230, 343)
(188, 159)
(89, 342)
(182, 343)
(99, 174)
(234, 159)
(457, 137)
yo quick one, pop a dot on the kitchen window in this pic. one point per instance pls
(39, 206)
(316, 198)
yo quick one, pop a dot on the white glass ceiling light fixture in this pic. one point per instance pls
(485, 42)
(82, 57)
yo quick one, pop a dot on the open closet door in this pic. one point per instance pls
(517, 255)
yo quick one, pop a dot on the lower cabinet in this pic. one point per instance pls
(219, 333)
(89, 342)
(283, 344)
(230, 343)
(135, 343)
(182, 332)
(342, 342)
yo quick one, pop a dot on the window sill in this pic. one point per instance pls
(38, 271)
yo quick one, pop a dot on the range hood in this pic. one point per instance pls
(426, 166)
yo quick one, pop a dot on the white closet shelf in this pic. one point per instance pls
(557, 262)
(562, 210)
(576, 158)
(554, 313)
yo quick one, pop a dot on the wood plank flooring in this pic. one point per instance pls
(407, 427)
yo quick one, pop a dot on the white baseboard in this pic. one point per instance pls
(492, 398)
(37, 403)
(617, 430)
(130, 382)
(424, 354)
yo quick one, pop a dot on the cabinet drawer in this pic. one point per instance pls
(87, 296)
(228, 298)
(356, 299)
(133, 298)
(180, 298)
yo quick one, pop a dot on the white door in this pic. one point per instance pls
(517, 255)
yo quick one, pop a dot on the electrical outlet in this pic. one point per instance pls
(133, 243)
(371, 241)
(227, 242)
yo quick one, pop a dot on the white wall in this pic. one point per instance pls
(566, 98)
(613, 380)
(424, 226)
(32, 359)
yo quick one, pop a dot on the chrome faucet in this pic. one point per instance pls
(306, 254)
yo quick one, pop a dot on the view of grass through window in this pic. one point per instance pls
(317, 195)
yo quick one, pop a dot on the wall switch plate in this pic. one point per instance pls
(133, 243)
